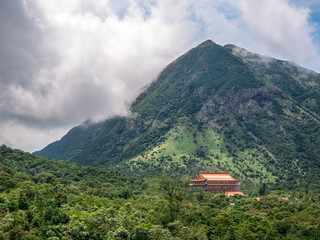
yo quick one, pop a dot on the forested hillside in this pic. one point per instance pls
(214, 109)
(45, 199)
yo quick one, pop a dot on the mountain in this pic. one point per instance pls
(214, 108)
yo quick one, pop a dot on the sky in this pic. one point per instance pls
(65, 61)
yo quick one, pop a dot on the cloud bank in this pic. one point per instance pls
(63, 62)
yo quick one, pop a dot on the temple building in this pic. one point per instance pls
(217, 182)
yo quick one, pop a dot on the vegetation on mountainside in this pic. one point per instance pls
(187, 83)
(214, 108)
(186, 152)
(45, 199)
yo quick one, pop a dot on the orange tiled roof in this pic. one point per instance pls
(215, 184)
(214, 176)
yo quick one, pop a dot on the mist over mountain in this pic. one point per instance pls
(214, 108)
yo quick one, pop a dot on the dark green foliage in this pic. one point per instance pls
(140, 233)
(23, 203)
(58, 205)
(174, 192)
(47, 171)
(13, 206)
(262, 190)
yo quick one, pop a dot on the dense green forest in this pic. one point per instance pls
(45, 199)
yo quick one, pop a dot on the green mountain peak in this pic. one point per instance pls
(189, 81)
(214, 109)
(206, 43)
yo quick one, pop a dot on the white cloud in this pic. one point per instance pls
(26, 137)
(65, 61)
(279, 29)
(270, 27)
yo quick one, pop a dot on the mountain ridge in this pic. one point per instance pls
(213, 108)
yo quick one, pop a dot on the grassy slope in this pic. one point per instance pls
(186, 152)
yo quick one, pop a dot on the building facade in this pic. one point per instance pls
(217, 182)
